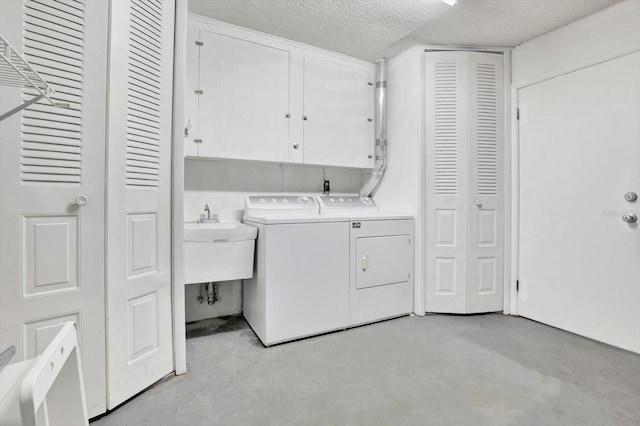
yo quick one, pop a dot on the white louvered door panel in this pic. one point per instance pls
(465, 183)
(51, 249)
(139, 327)
(446, 112)
(486, 183)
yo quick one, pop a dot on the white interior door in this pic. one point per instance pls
(338, 113)
(52, 249)
(485, 282)
(446, 92)
(139, 326)
(579, 156)
(245, 99)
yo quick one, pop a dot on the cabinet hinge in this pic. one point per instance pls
(370, 120)
(197, 141)
(517, 285)
(518, 114)
(198, 92)
(370, 83)
(199, 43)
(287, 115)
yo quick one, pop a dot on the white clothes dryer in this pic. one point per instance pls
(380, 258)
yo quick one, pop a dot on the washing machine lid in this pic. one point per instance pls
(347, 205)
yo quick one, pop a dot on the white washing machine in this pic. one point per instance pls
(300, 286)
(381, 258)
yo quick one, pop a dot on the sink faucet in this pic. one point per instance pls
(208, 219)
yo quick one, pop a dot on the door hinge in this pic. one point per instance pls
(518, 114)
(517, 285)
(199, 43)
(198, 92)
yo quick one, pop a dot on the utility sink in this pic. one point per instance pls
(220, 251)
(219, 232)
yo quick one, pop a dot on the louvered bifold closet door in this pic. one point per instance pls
(139, 331)
(465, 182)
(486, 183)
(446, 199)
(51, 239)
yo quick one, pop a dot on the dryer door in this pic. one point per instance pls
(382, 260)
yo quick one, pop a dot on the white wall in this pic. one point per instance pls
(400, 188)
(223, 185)
(596, 38)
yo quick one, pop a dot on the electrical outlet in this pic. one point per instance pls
(326, 186)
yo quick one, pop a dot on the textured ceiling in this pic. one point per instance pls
(370, 29)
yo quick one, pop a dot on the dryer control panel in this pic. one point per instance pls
(347, 205)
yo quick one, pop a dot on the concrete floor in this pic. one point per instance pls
(435, 370)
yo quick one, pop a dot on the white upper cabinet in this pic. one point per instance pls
(190, 98)
(338, 113)
(244, 102)
(255, 97)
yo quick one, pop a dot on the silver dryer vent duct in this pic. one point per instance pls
(381, 130)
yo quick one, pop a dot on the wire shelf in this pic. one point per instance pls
(15, 71)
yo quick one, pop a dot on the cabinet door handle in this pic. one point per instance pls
(296, 146)
(364, 263)
(304, 118)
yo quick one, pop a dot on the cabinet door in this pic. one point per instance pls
(244, 103)
(338, 106)
(191, 99)
(52, 247)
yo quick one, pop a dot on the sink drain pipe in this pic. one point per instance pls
(212, 293)
(381, 130)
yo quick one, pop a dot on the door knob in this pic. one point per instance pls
(630, 218)
(82, 200)
(478, 203)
